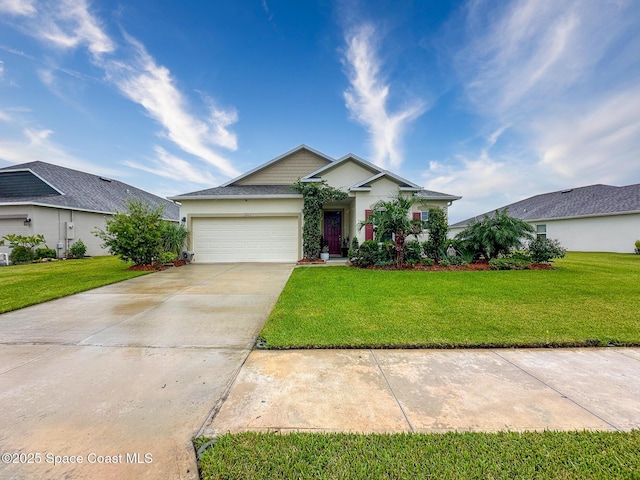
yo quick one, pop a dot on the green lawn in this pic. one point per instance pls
(590, 299)
(24, 285)
(505, 455)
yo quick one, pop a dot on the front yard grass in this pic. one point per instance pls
(590, 299)
(24, 285)
(512, 455)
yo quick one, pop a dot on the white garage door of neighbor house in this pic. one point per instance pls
(245, 239)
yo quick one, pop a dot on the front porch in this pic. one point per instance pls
(338, 227)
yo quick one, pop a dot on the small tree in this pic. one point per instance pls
(495, 235)
(438, 230)
(134, 235)
(314, 196)
(392, 217)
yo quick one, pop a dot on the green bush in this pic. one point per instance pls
(355, 245)
(45, 253)
(509, 263)
(21, 254)
(135, 235)
(638, 247)
(458, 260)
(430, 250)
(78, 249)
(438, 230)
(166, 257)
(496, 235)
(544, 250)
(413, 252)
(386, 254)
(367, 254)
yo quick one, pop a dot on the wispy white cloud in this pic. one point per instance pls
(18, 7)
(563, 76)
(69, 24)
(596, 143)
(367, 98)
(37, 144)
(152, 86)
(169, 166)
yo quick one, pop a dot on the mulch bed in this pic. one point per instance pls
(481, 265)
(308, 261)
(147, 268)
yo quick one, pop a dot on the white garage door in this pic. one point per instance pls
(245, 239)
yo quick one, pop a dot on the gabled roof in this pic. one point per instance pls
(41, 183)
(276, 160)
(315, 175)
(273, 187)
(593, 200)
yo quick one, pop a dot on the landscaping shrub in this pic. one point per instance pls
(45, 253)
(134, 235)
(78, 249)
(496, 235)
(638, 247)
(386, 254)
(413, 252)
(22, 246)
(429, 250)
(544, 250)
(509, 263)
(457, 260)
(366, 254)
(174, 239)
(438, 230)
(21, 254)
(355, 245)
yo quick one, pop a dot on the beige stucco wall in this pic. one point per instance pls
(612, 233)
(287, 170)
(51, 222)
(347, 174)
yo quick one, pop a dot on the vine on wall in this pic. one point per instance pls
(314, 196)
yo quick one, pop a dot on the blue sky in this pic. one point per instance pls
(491, 100)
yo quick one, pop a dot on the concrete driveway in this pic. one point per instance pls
(114, 382)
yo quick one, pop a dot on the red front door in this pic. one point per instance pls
(333, 230)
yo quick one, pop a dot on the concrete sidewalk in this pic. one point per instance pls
(434, 391)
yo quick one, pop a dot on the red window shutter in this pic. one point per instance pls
(368, 229)
(417, 215)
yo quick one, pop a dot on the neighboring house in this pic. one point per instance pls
(257, 217)
(597, 218)
(64, 205)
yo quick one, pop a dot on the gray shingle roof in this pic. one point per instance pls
(84, 191)
(241, 191)
(575, 202)
(431, 195)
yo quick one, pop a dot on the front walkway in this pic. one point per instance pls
(434, 391)
(122, 377)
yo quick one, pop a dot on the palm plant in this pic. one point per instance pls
(174, 238)
(495, 235)
(392, 217)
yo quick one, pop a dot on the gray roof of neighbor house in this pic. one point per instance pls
(51, 185)
(593, 200)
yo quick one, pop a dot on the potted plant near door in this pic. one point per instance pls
(324, 253)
